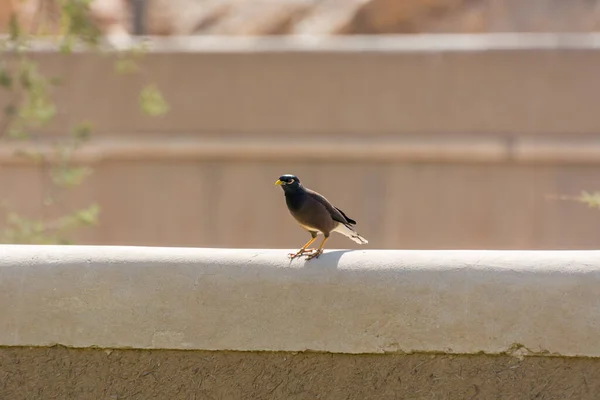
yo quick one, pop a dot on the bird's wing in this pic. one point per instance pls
(336, 213)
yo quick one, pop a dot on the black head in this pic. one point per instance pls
(289, 183)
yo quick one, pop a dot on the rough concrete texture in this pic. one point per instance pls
(518, 302)
(59, 373)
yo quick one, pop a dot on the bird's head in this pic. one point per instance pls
(289, 183)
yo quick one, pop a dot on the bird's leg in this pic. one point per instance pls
(303, 249)
(319, 251)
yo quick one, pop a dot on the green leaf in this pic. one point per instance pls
(6, 79)
(152, 101)
(14, 28)
(89, 215)
(16, 131)
(126, 66)
(37, 107)
(82, 132)
(55, 81)
(34, 156)
(77, 23)
(67, 177)
(10, 110)
(22, 230)
(26, 73)
(66, 46)
(591, 199)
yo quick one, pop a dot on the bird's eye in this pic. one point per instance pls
(291, 181)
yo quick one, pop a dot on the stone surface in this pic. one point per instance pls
(264, 17)
(329, 17)
(240, 17)
(521, 302)
(59, 373)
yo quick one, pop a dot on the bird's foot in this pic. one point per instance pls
(316, 254)
(300, 252)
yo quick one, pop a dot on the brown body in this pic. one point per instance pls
(313, 213)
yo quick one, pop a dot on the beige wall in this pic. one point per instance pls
(425, 149)
(403, 205)
(342, 86)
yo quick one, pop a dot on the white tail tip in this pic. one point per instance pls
(350, 233)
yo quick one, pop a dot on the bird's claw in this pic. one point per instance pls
(300, 252)
(316, 254)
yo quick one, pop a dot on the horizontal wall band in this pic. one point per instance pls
(485, 149)
(517, 302)
(283, 148)
(353, 43)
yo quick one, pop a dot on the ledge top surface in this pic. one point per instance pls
(552, 260)
(346, 301)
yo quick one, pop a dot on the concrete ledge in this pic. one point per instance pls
(516, 302)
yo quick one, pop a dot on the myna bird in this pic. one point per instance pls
(315, 214)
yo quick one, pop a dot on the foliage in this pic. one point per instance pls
(31, 107)
(591, 199)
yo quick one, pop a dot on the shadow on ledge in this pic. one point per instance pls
(329, 260)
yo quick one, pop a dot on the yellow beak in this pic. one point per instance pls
(279, 182)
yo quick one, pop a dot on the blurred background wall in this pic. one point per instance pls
(251, 17)
(425, 145)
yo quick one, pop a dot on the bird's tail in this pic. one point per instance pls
(346, 230)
